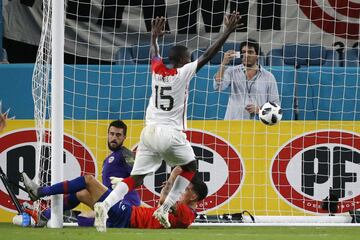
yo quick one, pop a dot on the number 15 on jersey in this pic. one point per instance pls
(162, 96)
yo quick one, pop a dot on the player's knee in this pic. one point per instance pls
(89, 179)
(138, 180)
(190, 167)
(81, 195)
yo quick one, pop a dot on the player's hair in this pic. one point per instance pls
(118, 124)
(251, 43)
(177, 53)
(199, 187)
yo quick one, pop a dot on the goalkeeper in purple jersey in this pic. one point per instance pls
(116, 166)
(119, 163)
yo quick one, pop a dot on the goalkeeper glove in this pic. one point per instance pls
(114, 181)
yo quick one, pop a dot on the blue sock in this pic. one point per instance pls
(70, 201)
(47, 213)
(71, 186)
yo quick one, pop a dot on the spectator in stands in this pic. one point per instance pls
(251, 85)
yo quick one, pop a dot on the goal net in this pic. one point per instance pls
(304, 169)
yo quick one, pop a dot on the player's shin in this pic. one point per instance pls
(65, 187)
(179, 186)
(119, 192)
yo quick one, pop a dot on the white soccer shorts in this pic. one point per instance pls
(159, 143)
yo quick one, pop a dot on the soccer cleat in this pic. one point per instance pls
(100, 216)
(40, 219)
(31, 187)
(163, 217)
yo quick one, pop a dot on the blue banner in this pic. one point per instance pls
(110, 92)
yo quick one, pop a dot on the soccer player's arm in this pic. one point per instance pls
(220, 73)
(157, 29)
(169, 183)
(231, 23)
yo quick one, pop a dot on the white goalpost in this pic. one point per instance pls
(57, 109)
(93, 67)
(49, 74)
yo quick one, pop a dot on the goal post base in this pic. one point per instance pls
(342, 220)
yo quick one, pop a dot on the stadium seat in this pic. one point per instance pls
(164, 51)
(275, 57)
(352, 57)
(123, 56)
(303, 55)
(197, 53)
(3, 56)
(262, 59)
(332, 58)
(141, 53)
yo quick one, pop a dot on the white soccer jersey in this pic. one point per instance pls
(168, 101)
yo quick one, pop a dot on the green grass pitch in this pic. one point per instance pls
(11, 232)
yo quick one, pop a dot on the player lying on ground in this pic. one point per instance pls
(122, 215)
(117, 164)
(163, 137)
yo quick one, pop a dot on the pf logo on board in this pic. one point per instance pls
(18, 154)
(219, 164)
(306, 168)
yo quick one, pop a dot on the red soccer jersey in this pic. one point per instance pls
(142, 217)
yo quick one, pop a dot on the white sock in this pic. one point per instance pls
(116, 195)
(177, 189)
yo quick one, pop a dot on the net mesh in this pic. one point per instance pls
(287, 169)
(41, 98)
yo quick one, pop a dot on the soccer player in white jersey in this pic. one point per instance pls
(163, 136)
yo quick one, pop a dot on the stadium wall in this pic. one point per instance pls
(337, 99)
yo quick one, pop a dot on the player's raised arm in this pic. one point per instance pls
(231, 23)
(157, 29)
